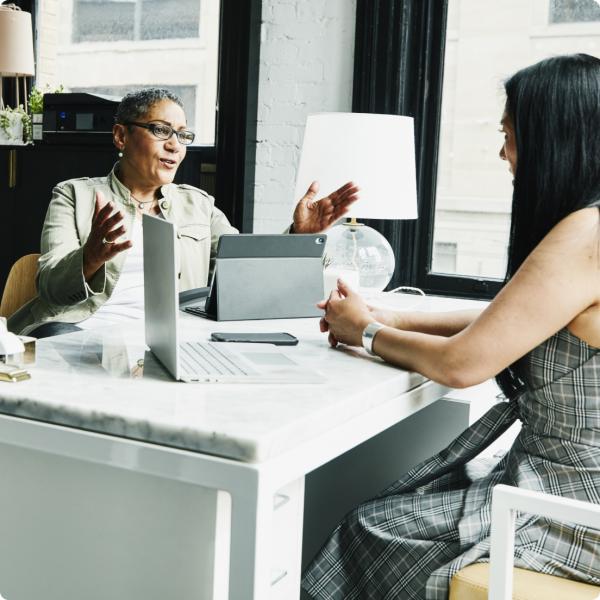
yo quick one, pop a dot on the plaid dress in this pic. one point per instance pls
(409, 541)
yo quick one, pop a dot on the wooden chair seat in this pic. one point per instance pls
(471, 583)
(20, 285)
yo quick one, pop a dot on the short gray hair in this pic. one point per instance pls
(136, 105)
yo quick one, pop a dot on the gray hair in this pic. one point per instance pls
(136, 105)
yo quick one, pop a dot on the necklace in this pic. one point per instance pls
(141, 205)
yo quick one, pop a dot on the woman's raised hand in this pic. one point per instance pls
(313, 216)
(102, 245)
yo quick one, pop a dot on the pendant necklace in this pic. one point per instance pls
(141, 204)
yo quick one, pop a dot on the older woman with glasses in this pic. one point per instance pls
(91, 269)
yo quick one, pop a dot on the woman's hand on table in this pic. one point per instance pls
(102, 245)
(346, 316)
(313, 216)
(388, 317)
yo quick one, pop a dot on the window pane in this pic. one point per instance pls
(487, 42)
(109, 20)
(570, 11)
(169, 19)
(116, 46)
(100, 21)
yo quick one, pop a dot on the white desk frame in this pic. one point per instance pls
(251, 487)
(247, 491)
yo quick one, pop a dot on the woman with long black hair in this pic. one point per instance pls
(540, 337)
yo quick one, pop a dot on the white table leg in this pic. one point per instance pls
(251, 520)
(266, 540)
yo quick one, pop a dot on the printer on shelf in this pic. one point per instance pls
(78, 118)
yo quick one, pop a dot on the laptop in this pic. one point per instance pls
(200, 361)
(259, 276)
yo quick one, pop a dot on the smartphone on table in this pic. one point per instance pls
(277, 338)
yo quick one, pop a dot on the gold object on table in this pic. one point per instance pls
(13, 374)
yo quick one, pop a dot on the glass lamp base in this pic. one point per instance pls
(353, 247)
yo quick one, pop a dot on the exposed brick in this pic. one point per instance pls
(283, 14)
(305, 66)
(312, 71)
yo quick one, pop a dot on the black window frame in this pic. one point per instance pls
(398, 69)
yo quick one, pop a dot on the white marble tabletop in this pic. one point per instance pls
(95, 380)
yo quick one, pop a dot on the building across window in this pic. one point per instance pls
(112, 20)
(574, 11)
(444, 257)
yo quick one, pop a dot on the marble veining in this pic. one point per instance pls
(94, 380)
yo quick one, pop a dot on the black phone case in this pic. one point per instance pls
(278, 338)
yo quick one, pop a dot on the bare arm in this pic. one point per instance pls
(558, 281)
(440, 323)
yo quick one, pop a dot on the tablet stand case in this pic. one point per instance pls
(267, 277)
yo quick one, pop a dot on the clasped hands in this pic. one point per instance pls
(347, 315)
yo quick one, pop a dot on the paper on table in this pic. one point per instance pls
(377, 152)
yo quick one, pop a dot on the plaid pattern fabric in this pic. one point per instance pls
(410, 540)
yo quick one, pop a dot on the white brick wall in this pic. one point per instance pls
(306, 64)
(47, 32)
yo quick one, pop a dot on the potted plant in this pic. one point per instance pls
(36, 108)
(19, 127)
(15, 126)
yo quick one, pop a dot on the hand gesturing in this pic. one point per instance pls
(313, 216)
(101, 245)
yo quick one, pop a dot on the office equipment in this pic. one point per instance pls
(378, 153)
(203, 362)
(78, 118)
(265, 277)
(277, 338)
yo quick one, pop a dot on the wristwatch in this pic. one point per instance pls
(368, 335)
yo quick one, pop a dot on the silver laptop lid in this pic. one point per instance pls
(160, 291)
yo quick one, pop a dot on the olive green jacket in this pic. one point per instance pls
(63, 293)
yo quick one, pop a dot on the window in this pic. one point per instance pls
(443, 62)
(444, 256)
(484, 46)
(226, 40)
(112, 20)
(574, 11)
(115, 46)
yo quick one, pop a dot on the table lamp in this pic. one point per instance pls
(16, 49)
(377, 152)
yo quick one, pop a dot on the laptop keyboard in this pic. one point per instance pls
(198, 358)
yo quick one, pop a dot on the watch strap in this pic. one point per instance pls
(368, 335)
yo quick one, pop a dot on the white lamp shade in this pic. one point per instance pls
(377, 152)
(16, 43)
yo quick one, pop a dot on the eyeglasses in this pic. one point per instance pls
(164, 132)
